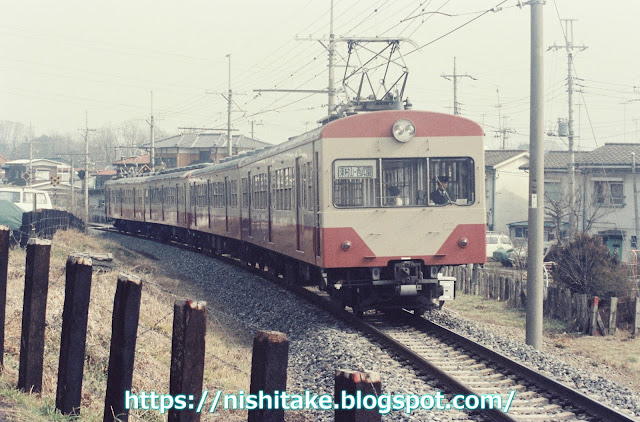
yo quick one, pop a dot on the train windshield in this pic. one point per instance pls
(406, 182)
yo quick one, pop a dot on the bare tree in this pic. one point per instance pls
(12, 135)
(106, 144)
(133, 134)
(586, 210)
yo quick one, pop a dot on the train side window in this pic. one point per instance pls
(245, 193)
(458, 176)
(355, 183)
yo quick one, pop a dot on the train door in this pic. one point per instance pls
(178, 200)
(162, 199)
(246, 202)
(187, 208)
(298, 193)
(226, 202)
(195, 193)
(209, 201)
(145, 205)
(316, 204)
(269, 211)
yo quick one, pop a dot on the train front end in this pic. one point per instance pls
(402, 199)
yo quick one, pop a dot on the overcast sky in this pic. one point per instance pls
(60, 59)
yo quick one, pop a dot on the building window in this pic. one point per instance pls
(608, 193)
(553, 191)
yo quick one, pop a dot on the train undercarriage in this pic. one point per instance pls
(404, 284)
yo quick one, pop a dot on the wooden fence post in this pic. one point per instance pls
(124, 330)
(593, 321)
(74, 334)
(583, 313)
(268, 371)
(474, 279)
(353, 384)
(613, 316)
(636, 318)
(4, 266)
(34, 311)
(187, 355)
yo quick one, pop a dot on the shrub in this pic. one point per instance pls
(586, 266)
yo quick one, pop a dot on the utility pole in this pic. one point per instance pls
(72, 182)
(152, 154)
(229, 140)
(536, 182)
(86, 169)
(569, 47)
(635, 196)
(332, 94)
(504, 131)
(30, 155)
(455, 77)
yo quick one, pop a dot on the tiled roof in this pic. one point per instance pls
(494, 157)
(140, 159)
(612, 154)
(109, 172)
(208, 140)
(560, 159)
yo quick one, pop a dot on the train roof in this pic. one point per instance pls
(161, 175)
(373, 124)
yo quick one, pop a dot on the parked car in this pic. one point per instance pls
(497, 241)
(24, 198)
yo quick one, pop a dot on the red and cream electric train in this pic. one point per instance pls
(350, 206)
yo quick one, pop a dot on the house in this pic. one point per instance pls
(138, 164)
(3, 161)
(506, 187)
(604, 202)
(610, 205)
(51, 175)
(18, 172)
(191, 148)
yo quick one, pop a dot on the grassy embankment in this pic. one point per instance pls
(227, 361)
(620, 351)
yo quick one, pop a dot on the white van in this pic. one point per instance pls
(496, 241)
(24, 197)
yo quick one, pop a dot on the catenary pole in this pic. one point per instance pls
(152, 153)
(30, 155)
(570, 47)
(455, 77)
(635, 197)
(229, 140)
(536, 182)
(86, 169)
(332, 95)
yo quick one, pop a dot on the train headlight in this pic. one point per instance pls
(463, 242)
(404, 130)
(346, 245)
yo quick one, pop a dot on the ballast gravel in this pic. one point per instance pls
(318, 344)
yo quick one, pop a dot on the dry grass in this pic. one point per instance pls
(615, 356)
(227, 362)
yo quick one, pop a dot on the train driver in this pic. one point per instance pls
(440, 196)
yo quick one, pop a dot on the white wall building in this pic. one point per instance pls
(506, 188)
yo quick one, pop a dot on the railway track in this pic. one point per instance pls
(463, 366)
(466, 367)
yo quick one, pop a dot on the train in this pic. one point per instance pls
(349, 206)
